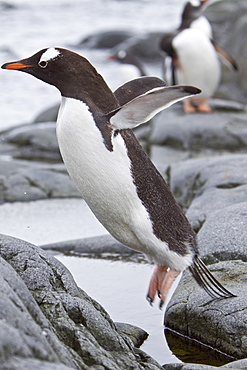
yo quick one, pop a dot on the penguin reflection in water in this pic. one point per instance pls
(113, 173)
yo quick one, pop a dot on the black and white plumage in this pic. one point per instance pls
(113, 173)
(192, 17)
(130, 66)
(192, 56)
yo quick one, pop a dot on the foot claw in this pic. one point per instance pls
(161, 304)
(160, 283)
(150, 300)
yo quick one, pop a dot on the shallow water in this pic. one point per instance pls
(49, 221)
(120, 287)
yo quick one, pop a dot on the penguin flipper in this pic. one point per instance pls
(225, 56)
(144, 107)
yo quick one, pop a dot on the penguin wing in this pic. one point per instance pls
(226, 58)
(136, 87)
(144, 107)
(170, 71)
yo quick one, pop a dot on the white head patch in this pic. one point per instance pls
(195, 2)
(122, 54)
(49, 54)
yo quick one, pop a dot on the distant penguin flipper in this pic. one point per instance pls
(225, 56)
(207, 281)
(144, 107)
(169, 71)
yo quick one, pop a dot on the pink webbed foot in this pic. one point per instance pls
(204, 107)
(160, 283)
(196, 105)
(188, 107)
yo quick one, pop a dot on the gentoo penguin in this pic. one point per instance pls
(192, 56)
(113, 173)
(192, 17)
(194, 62)
(130, 67)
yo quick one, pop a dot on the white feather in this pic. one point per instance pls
(146, 106)
(204, 25)
(49, 54)
(198, 63)
(104, 179)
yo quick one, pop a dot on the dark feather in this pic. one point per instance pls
(207, 281)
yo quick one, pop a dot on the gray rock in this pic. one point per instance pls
(183, 366)
(5, 5)
(200, 133)
(18, 363)
(220, 324)
(32, 142)
(98, 246)
(48, 115)
(146, 47)
(163, 156)
(240, 364)
(105, 40)
(204, 185)
(223, 236)
(137, 335)
(229, 23)
(46, 318)
(22, 181)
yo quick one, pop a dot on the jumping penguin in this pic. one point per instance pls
(112, 171)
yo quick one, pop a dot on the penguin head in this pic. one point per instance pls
(71, 73)
(56, 66)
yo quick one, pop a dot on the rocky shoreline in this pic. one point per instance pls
(47, 321)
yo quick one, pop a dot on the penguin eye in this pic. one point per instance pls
(43, 63)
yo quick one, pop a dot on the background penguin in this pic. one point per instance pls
(113, 173)
(192, 17)
(130, 66)
(192, 56)
(195, 62)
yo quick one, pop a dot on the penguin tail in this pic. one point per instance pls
(207, 281)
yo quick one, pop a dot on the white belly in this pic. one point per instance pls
(104, 179)
(203, 24)
(198, 62)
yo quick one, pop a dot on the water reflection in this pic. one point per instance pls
(193, 351)
(120, 287)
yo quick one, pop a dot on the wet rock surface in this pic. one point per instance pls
(219, 131)
(32, 142)
(191, 309)
(47, 322)
(241, 364)
(229, 22)
(22, 181)
(102, 246)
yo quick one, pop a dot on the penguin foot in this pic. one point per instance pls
(198, 105)
(188, 106)
(160, 283)
(204, 107)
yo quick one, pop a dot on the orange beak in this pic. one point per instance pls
(15, 66)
